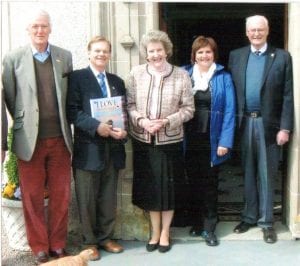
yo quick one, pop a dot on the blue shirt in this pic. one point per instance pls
(42, 57)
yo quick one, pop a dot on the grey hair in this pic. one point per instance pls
(38, 13)
(156, 36)
(256, 17)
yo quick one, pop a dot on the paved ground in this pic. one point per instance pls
(234, 250)
(196, 253)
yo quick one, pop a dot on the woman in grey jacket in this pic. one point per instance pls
(209, 135)
(159, 100)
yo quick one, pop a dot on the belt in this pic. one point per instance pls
(253, 114)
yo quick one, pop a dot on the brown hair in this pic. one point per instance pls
(202, 41)
(98, 39)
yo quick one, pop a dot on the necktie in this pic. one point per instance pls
(101, 77)
(257, 52)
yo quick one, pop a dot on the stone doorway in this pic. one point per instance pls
(225, 22)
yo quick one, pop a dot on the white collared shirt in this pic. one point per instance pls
(262, 49)
(96, 73)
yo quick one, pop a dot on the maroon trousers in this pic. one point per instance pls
(49, 167)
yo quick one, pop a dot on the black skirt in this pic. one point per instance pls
(156, 170)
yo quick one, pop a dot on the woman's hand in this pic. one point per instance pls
(221, 151)
(152, 126)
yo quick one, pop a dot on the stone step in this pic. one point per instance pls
(224, 231)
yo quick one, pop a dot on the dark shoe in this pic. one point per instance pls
(112, 246)
(243, 227)
(151, 247)
(210, 238)
(270, 235)
(59, 253)
(41, 257)
(164, 249)
(196, 231)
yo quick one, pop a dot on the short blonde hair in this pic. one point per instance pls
(98, 39)
(156, 36)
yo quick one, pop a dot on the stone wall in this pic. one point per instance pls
(70, 26)
(73, 24)
(293, 183)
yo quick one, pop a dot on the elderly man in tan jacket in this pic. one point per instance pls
(35, 79)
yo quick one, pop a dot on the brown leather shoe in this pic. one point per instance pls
(58, 253)
(112, 246)
(41, 257)
(96, 253)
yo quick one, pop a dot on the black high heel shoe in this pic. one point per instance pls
(164, 249)
(151, 247)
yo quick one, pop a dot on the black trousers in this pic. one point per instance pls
(203, 180)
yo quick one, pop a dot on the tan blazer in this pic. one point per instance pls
(19, 83)
(175, 102)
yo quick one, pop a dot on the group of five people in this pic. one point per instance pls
(178, 116)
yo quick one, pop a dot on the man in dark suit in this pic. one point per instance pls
(35, 79)
(99, 150)
(263, 80)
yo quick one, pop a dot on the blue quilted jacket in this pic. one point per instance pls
(222, 123)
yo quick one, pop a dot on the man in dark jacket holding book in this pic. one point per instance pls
(99, 151)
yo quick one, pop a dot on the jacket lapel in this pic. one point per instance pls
(113, 89)
(243, 66)
(270, 56)
(57, 65)
(92, 83)
(30, 72)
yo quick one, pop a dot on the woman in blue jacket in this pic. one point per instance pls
(209, 135)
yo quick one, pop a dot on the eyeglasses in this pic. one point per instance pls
(37, 26)
(257, 30)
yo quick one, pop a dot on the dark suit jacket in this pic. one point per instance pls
(89, 147)
(277, 106)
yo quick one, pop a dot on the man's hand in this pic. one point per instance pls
(221, 151)
(282, 137)
(104, 130)
(118, 133)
